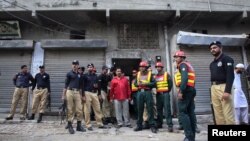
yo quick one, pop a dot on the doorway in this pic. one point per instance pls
(127, 65)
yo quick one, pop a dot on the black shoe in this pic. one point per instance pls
(22, 118)
(180, 128)
(105, 121)
(32, 117)
(90, 129)
(170, 129)
(159, 126)
(103, 127)
(146, 125)
(67, 126)
(40, 118)
(197, 130)
(70, 128)
(153, 129)
(113, 120)
(137, 128)
(187, 139)
(79, 127)
(118, 126)
(9, 118)
(129, 126)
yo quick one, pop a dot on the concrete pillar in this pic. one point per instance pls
(37, 60)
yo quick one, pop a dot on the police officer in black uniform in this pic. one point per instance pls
(42, 81)
(222, 77)
(21, 82)
(73, 93)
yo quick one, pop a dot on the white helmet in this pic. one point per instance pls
(240, 66)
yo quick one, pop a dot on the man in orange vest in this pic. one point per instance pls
(164, 85)
(134, 90)
(145, 82)
(185, 82)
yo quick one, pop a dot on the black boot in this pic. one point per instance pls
(146, 125)
(79, 127)
(154, 129)
(105, 121)
(32, 117)
(40, 118)
(70, 128)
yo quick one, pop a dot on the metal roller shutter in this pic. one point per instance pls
(200, 58)
(10, 63)
(58, 63)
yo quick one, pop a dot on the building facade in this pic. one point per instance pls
(115, 33)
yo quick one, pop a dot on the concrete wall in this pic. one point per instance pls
(99, 31)
(201, 5)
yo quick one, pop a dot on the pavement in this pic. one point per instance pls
(51, 129)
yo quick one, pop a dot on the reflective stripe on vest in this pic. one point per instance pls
(162, 82)
(191, 76)
(134, 88)
(143, 79)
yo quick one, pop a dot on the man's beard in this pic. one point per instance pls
(239, 72)
(216, 54)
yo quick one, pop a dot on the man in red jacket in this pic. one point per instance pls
(120, 95)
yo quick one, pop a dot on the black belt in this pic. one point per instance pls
(41, 88)
(21, 86)
(217, 82)
(143, 90)
(92, 91)
(74, 89)
(161, 92)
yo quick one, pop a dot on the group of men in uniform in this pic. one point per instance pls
(40, 87)
(142, 95)
(86, 91)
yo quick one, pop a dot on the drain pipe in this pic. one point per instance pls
(209, 5)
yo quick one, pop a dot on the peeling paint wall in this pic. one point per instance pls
(193, 5)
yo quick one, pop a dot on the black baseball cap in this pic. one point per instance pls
(104, 68)
(41, 67)
(218, 43)
(75, 62)
(90, 65)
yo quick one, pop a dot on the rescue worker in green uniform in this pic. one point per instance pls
(164, 85)
(185, 83)
(134, 91)
(145, 82)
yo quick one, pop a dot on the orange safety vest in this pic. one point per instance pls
(143, 79)
(134, 88)
(191, 75)
(162, 82)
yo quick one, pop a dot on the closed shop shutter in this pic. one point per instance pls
(10, 64)
(200, 58)
(58, 63)
(248, 60)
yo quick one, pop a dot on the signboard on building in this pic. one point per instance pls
(9, 30)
